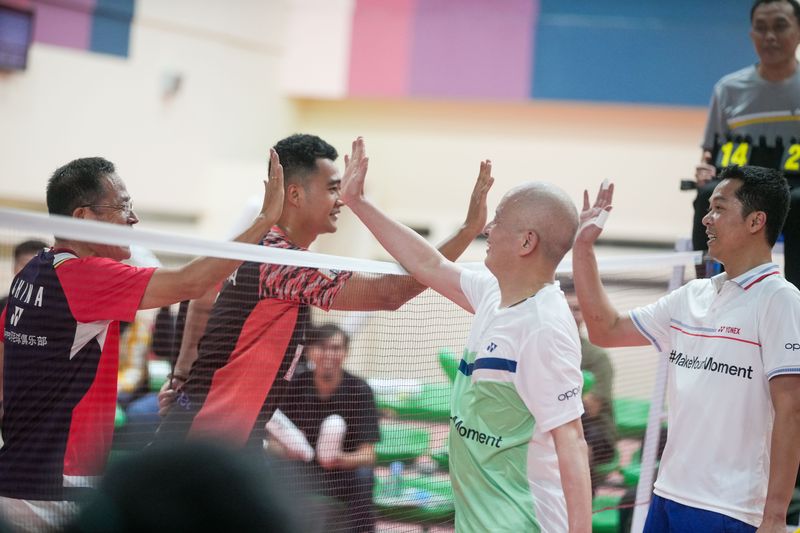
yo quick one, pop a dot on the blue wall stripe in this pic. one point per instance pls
(638, 52)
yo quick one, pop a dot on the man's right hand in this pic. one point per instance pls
(594, 216)
(355, 172)
(272, 207)
(705, 171)
(166, 397)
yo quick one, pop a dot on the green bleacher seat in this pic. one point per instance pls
(119, 417)
(449, 363)
(630, 415)
(605, 521)
(430, 404)
(401, 443)
(425, 500)
(442, 458)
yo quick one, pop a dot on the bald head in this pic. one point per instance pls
(547, 210)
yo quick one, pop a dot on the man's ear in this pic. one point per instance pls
(529, 242)
(81, 212)
(294, 194)
(756, 221)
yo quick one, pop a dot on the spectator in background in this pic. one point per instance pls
(328, 399)
(598, 418)
(24, 252)
(759, 100)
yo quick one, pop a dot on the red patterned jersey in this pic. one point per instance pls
(247, 351)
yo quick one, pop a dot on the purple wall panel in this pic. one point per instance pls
(68, 24)
(473, 49)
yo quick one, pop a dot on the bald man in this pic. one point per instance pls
(518, 458)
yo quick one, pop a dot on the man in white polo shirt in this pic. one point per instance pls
(734, 377)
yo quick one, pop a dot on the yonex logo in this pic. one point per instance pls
(569, 394)
(794, 346)
(16, 316)
(491, 347)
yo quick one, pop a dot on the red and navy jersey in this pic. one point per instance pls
(61, 340)
(247, 351)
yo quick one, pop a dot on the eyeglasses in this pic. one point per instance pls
(779, 29)
(126, 208)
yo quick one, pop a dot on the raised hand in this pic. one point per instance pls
(272, 207)
(594, 216)
(477, 212)
(355, 173)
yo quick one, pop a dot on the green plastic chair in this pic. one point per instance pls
(401, 443)
(442, 458)
(424, 500)
(449, 363)
(431, 405)
(588, 381)
(631, 471)
(630, 415)
(605, 521)
(120, 418)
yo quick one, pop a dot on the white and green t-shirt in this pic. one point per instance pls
(519, 378)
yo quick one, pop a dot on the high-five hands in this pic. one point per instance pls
(593, 217)
(355, 172)
(477, 212)
(272, 206)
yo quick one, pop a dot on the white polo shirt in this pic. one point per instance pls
(725, 340)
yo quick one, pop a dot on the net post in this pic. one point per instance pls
(654, 418)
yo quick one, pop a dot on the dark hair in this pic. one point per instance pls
(194, 486)
(763, 189)
(31, 246)
(794, 3)
(78, 183)
(299, 153)
(319, 334)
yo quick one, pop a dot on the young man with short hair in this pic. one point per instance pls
(227, 386)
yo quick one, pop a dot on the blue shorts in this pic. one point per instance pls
(667, 516)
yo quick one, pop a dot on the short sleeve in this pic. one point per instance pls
(368, 428)
(653, 321)
(474, 285)
(716, 123)
(779, 333)
(549, 378)
(99, 288)
(305, 285)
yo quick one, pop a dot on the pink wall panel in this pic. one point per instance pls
(381, 48)
(68, 25)
(473, 49)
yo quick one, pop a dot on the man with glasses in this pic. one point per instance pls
(61, 341)
(761, 100)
